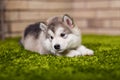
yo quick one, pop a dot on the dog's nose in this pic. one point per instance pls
(57, 46)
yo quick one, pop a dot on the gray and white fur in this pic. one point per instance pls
(59, 36)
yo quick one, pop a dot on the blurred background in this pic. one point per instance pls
(92, 16)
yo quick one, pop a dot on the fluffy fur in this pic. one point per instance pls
(60, 36)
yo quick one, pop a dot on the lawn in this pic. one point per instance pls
(16, 63)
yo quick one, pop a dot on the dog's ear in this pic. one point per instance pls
(68, 20)
(43, 26)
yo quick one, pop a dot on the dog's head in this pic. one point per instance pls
(62, 34)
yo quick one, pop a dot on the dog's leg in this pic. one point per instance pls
(81, 51)
(85, 51)
(73, 53)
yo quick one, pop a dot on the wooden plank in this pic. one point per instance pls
(108, 14)
(49, 5)
(102, 31)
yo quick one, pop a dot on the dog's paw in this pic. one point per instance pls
(73, 53)
(85, 51)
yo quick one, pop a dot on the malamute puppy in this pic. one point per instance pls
(58, 36)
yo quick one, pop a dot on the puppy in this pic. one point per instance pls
(59, 36)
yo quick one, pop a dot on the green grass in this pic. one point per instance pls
(16, 63)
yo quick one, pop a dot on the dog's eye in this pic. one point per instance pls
(51, 37)
(62, 34)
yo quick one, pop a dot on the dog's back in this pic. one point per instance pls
(33, 37)
(32, 30)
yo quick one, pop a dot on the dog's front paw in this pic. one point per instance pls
(85, 51)
(73, 53)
